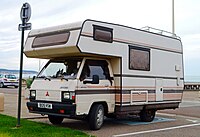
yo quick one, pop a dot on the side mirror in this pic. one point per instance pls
(95, 79)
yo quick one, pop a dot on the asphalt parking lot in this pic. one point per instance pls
(182, 122)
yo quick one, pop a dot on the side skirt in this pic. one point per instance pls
(135, 109)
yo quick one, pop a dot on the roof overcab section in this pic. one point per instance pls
(53, 41)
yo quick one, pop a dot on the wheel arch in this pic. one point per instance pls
(105, 106)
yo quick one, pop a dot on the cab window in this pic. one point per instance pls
(95, 67)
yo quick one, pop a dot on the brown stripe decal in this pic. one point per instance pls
(84, 92)
(146, 76)
(124, 92)
(137, 96)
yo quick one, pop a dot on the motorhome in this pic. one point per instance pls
(99, 69)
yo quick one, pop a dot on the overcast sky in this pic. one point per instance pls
(133, 13)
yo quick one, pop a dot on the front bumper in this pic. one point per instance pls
(59, 109)
(11, 83)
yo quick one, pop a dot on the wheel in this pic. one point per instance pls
(147, 115)
(1, 85)
(16, 86)
(96, 117)
(56, 120)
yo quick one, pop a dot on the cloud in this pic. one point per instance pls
(187, 17)
(191, 46)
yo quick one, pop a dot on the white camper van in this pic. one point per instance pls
(99, 69)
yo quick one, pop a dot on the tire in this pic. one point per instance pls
(147, 115)
(1, 85)
(96, 117)
(55, 120)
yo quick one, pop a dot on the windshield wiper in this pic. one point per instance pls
(45, 77)
(64, 78)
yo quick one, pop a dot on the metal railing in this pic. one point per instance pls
(194, 86)
(159, 31)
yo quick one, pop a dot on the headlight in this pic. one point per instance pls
(66, 95)
(33, 93)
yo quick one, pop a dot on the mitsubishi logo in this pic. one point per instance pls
(47, 93)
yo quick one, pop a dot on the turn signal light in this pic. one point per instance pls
(73, 97)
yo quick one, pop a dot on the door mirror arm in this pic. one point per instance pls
(95, 79)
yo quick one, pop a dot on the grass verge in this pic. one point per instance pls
(34, 129)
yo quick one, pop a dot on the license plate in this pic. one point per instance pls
(45, 105)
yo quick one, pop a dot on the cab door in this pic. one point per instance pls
(94, 85)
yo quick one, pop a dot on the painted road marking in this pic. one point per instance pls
(166, 114)
(180, 116)
(133, 122)
(156, 120)
(193, 121)
(156, 130)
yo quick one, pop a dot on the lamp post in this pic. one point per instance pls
(173, 27)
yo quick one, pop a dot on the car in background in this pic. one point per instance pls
(8, 80)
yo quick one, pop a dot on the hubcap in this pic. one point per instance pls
(150, 113)
(100, 116)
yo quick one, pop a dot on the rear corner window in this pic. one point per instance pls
(103, 34)
(50, 40)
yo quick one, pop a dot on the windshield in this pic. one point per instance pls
(10, 76)
(66, 69)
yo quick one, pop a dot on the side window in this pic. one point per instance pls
(95, 67)
(102, 34)
(50, 40)
(139, 58)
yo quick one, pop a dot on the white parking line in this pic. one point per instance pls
(191, 120)
(180, 116)
(156, 130)
(166, 114)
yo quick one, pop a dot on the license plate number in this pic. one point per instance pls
(45, 105)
